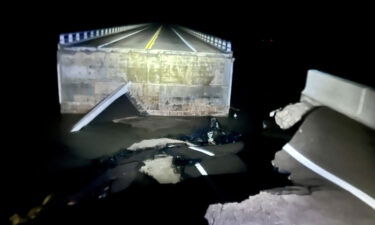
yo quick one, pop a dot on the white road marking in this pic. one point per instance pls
(201, 170)
(100, 107)
(186, 43)
(123, 37)
(331, 177)
(202, 150)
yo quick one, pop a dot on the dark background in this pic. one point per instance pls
(273, 47)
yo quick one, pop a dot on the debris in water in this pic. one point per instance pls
(155, 143)
(291, 114)
(162, 169)
(215, 134)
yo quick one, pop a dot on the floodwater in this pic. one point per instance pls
(68, 168)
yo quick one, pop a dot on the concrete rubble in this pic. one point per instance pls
(272, 209)
(161, 169)
(342, 124)
(291, 114)
(155, 143)
(311, 201)
(166, 160)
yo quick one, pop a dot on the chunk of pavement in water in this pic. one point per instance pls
(291, 114)
(155, 143)
(162, 170)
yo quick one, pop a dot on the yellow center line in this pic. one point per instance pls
(153, 39)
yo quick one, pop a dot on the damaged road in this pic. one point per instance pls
(330, 161)
(313, 199)
(167, 160)
(157, 172)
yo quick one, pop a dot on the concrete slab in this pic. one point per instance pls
(340, 145)
(101, 107)
(336, 143)
(347, 97)
(169, 79)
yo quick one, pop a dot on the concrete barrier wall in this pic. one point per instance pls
(163, 82)
(81, 36)
(218, 43)
(352, 99)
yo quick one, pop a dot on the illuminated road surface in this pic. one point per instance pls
(156, 37)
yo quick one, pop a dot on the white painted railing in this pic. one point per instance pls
(76, 37)
(219, 43)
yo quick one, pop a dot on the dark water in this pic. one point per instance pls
(66, 167)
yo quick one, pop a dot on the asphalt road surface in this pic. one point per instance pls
(154, 36)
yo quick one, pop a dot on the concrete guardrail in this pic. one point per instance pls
(349, 98)
(76, 37)
(218, 43)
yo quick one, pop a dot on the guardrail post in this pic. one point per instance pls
(70, 38)
(62, 39)
(229, 47)
(224, 45)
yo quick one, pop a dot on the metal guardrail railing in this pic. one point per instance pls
(76, 37)
(219, 43)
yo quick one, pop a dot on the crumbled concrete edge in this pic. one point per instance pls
(310, 200)
(258, 209)
(138, 106)
(162, 169)
(155, 143)
(291, 114)
(266, 207)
